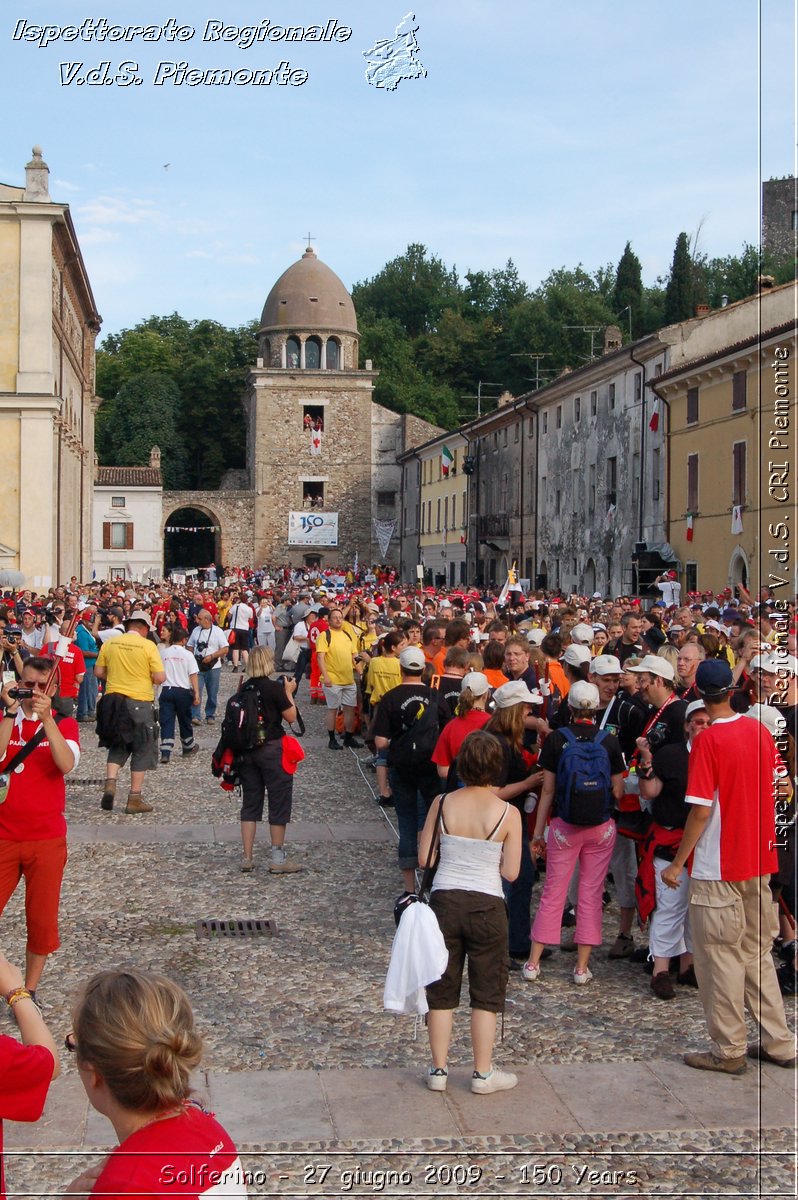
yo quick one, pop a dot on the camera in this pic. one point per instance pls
(12, 633)
(20, 693)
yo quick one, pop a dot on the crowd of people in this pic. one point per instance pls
(647, 747)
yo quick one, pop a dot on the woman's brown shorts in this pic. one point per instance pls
(474, 925)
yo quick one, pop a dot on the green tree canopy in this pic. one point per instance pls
(628, 291)
(680, 290)
(145, 412)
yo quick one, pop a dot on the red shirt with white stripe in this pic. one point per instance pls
(34, 808)
(733, 770)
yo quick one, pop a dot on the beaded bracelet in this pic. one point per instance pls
(20, 993)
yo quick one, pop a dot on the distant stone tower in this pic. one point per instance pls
(780, 217)
(309, 419)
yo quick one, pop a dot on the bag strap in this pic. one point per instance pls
(426, 878)
(28, 748)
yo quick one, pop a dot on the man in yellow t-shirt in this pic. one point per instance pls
(130, 666)
(335, 650)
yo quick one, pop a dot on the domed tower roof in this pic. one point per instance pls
(309, 296)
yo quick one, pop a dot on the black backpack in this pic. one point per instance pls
(412, 749)
(242, 719)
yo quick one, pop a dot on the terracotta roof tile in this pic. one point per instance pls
(129, 477)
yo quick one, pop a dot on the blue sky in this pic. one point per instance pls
(546, 133)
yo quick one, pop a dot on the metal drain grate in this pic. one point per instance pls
(238, 927)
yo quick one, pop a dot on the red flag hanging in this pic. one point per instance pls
(654, 422)
(690, 527)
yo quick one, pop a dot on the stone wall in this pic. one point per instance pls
(779, 202)
(234, 512)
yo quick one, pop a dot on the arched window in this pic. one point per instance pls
(292, 352)
(333, 355)
(313, 354)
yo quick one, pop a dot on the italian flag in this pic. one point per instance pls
(689, 527)
(447, 458)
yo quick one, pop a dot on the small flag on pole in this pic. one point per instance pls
(689, 527)
(447, 458)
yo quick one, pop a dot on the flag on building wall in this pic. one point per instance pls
(737, 519)
(447, 458)
(689, 527)
(654, 422)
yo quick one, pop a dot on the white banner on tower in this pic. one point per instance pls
(313, 528)
(384, 533)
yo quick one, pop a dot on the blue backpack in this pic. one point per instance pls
(584, 780)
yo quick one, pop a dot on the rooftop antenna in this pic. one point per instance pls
(537, 355)
(592, 330)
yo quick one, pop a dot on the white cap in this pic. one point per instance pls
(694, 706)
(583, 634)
(412, 659)
(476, 682)
(770, 717)
(597, 596)
(775, 664)
(535, 636)
(515, 692)
(583, 695)
(576, 655)
(605, 664)
(653, 664)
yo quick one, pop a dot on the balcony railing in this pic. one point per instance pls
(495, 525)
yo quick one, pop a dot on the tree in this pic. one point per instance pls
(144, 413)
(412, 289)
(680, 291)
(627, 293)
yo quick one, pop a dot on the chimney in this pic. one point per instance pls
(37, 174)
(505, 398)
(155, 458)
(765, 282)
(613, 339)
(701, 310)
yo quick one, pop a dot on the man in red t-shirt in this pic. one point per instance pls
(71, 670)
(32, 822)
(26, 1070)
(732, 786)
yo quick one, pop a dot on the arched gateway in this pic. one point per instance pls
(200, 528)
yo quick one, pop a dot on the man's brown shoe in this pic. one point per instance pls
(760, 1053)
(662, 986)
(707, 1061)
(622, 947)
(135, 804)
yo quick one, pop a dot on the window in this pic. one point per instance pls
(429, 516)
(496, 440)
(557, 501)
(655, 475)
(692, 406)
(332, 355)
(591, 489)
(692, 483)
(638, 385)
(438, 525)
(635, 478)
(545, 422)
(593, 403)
(543, 497)
(611, 395)
(530, 427)
(577, 408)
(117, 535)
(657, 370)
(312, 417)
(559, 416)
(610, 588)
(292, 352)
(117, 502)
(386, 499)
(312, 494)
(454, 512)
(575, 497)
(313, 354)
(517, 433)
(738, 390)
(738, 472)
(691, 576)
(612, 480)
(423, 521)
(504, 436)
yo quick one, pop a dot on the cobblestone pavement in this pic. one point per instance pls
(310, 999)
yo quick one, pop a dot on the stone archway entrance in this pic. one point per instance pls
(589, 585)
(738, 568)
(192, 539)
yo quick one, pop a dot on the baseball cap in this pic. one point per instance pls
(605, 664)
(515, 692)
(652, 664)
(713, 677)
(412, 659)
(576, 655)
(772, 664)
(535, 636)
(597, 596)
(694, 706)
(476, 682)
(582, 633)
(770, 717)
(583, 695)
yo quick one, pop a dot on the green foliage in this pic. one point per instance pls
(144, 413)
(412, 289)
(627, 293)
(680, 292)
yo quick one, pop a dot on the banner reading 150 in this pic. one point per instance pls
(312, 529)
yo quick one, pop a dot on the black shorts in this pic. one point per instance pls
(472, 924)
(261, 774)
(241, 639)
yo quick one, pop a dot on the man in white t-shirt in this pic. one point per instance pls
(238, 622)
(208, 643)
(670, 588)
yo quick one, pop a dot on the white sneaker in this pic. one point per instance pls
(437, 1078)
(583, 977)
(494, 1081)
(530, 973)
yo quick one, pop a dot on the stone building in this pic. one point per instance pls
(48, 328)
(321, 455)
(780, 217)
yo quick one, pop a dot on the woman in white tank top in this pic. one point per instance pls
(480, 844)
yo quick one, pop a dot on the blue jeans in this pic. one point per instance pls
(302, 664)
(518, 895)
(175, 703)
(412, 797)
(208, 681)
(87, 696)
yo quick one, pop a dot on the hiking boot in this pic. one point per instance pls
(210, 720)
(760, 1053)
(707, 1061)
(196, 721)
(437, 1078)
(192, 751)
(135, 804)
(622, 947)
(662, 986)
(107, 800)
(493, 1081)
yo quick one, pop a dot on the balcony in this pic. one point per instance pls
(495, 525)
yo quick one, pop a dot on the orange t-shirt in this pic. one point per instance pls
(494, 676)
(558, 678)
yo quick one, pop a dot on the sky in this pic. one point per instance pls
(549, 134)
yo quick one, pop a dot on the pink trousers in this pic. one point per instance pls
(591, 846)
